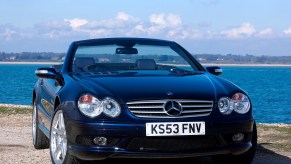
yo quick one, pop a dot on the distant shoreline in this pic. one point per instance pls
(248, 65)
(30, 63)
(204, 64)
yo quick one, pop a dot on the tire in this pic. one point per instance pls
(58, 141)
(39, 140)
(245, 158)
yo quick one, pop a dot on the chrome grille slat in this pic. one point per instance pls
(146, 102)
(194, 101)
(144, 107)
(197, 106)
(197, 111)
(140, 111)
(155, 108)
(166, 116)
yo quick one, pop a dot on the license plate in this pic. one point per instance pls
(175, 128)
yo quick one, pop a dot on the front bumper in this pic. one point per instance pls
(129, 140)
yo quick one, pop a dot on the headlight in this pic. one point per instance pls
(224, 105)
(110, 107)
(241, 103)
(238, 103)
(92, 107)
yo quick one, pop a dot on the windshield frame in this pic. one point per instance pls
(195, 65)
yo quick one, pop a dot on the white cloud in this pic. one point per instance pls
(160, 25)
(53, 34)
(265, 33)
(158, 20)
(166, 20)
(163, 25)
(123, 16)
(97, 33)
(245, 30)
(76, 23)
(140, 28)
(8, 32)
(174, 20)
(182, 34)
(287, 31)
(55, 29)
(54, 25)
(118, 26)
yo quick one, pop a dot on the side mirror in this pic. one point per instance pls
(46, 73)
(214, 70)
(49, 73)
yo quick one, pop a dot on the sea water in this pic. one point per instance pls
(269, 89)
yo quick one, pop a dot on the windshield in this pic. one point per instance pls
(133, 59)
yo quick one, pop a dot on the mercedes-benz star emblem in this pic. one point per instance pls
(173, 108)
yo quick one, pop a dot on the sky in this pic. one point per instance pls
(255, 27)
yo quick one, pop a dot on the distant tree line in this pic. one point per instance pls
(203, 58)
(32, 57)
(242, 59)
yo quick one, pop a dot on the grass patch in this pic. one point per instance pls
(275, 136)
(12, 109)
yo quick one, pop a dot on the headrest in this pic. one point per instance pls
(82, 62)
(148, 64)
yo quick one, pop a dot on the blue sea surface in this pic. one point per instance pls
(16, 84)
(268, 87)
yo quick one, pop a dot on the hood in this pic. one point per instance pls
(132, 88)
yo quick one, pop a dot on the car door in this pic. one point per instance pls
(48, 90)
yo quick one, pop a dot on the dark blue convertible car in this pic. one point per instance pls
(139, 98)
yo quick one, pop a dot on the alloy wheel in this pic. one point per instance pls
(58, 140)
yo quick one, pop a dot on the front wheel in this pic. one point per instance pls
(245, 158)
(58, 141)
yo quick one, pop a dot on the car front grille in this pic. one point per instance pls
(155, 108)
(172, 144)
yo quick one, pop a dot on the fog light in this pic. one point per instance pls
(102, 141)
(238, 137)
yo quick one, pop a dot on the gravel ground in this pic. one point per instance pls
(16, 145)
